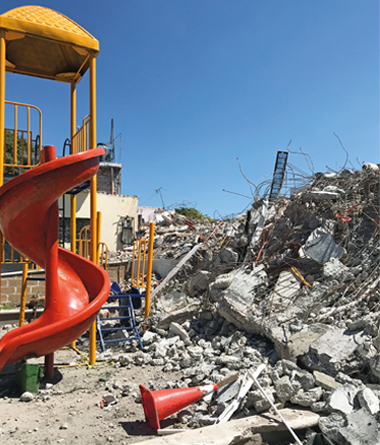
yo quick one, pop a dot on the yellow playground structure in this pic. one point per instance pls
(37, 41)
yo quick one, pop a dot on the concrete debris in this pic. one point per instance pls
(342, 399)
(361, 429)
(321, 247)
(225, 433)
(369, 401)
(26, 396)
(293, 285)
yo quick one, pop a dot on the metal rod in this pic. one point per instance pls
(2, 104)
(149, 271)
(93, 236)
(23, 294)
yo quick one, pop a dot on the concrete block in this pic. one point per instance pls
(307, 398)
(284, 389)
(198, 283)
(321, 247)
(224, 433)
(286, 289)
(369, 401)
(177, 329)
(334, 347)
(374, 364)
(325, 381)
(361, 429)
(342, 399)
(299, 343)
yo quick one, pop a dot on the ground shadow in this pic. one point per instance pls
(141, 428)
(9, 388)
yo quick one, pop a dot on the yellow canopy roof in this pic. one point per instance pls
(44, 43)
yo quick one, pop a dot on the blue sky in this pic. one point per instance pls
(194, 84)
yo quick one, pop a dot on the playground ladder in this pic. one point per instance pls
(126, 312)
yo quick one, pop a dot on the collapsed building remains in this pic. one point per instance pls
(294, 284)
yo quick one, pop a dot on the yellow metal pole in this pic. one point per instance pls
(73, 198)
(73, 201)
(149, 270)
(93, 236)
(23, 294)
(98, 229)
(2, 103)
(15, 139)
(28, 142)
(1, 258)
(139, 263)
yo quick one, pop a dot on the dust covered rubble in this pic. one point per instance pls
(293, 284)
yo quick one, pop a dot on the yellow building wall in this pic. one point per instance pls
(114, 209)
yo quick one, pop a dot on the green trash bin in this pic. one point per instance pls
(28, 377)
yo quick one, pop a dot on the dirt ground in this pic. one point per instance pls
(70, 411)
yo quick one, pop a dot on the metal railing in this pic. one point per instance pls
(102, 254)
(81, 139)
(139, 254)
(143, 254)
(19, 155)
(84, 242)
(84, 248)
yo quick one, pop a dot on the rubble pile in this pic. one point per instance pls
(294, 284)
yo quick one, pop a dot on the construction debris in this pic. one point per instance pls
(294, 284)
(292, 289)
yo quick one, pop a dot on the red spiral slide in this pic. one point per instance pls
(75, 287)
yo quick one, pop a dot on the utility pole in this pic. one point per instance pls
(162, 200)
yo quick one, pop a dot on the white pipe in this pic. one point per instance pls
(244, 388)
(275, 409)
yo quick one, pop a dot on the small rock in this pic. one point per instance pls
(26, 397)
(342, 398)
(369, 401)
(325, 381)
(307, 398)
(284, 389)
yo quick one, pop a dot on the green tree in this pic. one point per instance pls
(192, 213)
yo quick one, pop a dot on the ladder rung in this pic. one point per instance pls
(116, 318)
(121, 339)
(117, 329)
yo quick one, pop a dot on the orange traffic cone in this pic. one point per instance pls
(161, 404)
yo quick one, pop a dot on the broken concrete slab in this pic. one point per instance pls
(331, 425)
(335, 269)
(299, 343)
(286, 289)
(179, 315)
(361, 429)
(177, 329)
(236, 302)
(256, 223)
(171, 275)
(374, 364)
(198, 283)
(307, 398)
(325, 381)
(321, 247)
(369, 401)
(224, 433)
(246, 439)
(329, 352)
(342, 399)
